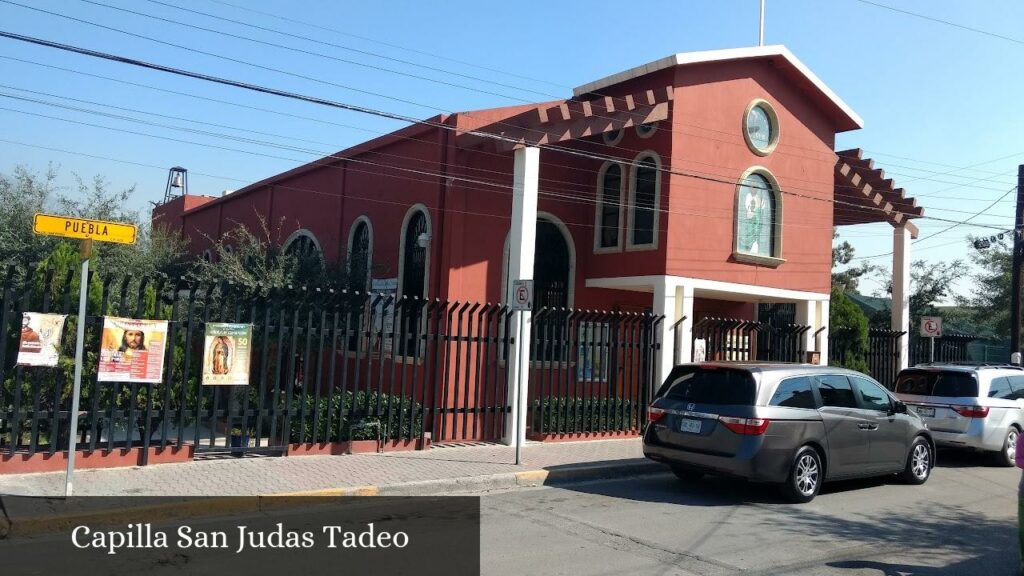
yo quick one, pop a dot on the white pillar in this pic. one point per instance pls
(823, 322)
(807, 315)
(665, 305)
(522, 241)
(685, 304)
(901, 291)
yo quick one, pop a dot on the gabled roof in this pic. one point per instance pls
(843, 116)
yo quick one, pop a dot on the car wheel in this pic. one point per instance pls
(687, 475)
(1007, 456)
(919, 462)
(805, 476)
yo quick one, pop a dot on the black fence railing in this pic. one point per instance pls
(731, 340)
(325, 367)
(590, 371)
(883, 353)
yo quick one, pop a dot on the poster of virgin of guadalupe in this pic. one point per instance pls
(39, 344)
(226, 354)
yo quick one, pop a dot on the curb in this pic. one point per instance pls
(193, 507)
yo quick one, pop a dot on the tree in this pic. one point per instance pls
(26, 193)
(930, 283)
(848, 279)
(849, 333)
(988, 302)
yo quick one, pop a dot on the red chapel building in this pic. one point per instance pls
(699, 185)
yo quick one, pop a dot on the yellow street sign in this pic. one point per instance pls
(82, 229)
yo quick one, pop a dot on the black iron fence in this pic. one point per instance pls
(731, 340)
(325, 367)
(882, 358)
(590, 371)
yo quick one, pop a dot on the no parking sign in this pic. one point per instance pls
(931, 327)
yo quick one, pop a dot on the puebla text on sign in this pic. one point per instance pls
(99, 230)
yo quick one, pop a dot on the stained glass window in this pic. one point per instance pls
(610, 205)
(755, 222)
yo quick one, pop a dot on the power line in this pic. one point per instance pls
(940, 21)
(394, 116)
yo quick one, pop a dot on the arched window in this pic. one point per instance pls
(360, 243)
(608, 224)
(758, 219)
(413, 266)
(644, 200)
(302, 244)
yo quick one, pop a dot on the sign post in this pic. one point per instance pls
(522, 298)
(87, 231)
(931, 328)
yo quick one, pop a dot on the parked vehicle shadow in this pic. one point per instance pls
(991, 564)
(962, 459)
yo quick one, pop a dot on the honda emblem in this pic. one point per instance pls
(691, 406)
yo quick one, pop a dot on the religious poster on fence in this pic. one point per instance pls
(132, 350)
(226, 354)
(40, 339)
(384, 316)
(592, 354)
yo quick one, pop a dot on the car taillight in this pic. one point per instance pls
(745, 426)
(971, 411)
(655, 414)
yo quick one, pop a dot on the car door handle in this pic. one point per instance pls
(867, 426)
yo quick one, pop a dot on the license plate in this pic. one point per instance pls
(690, 426)
(925, 411)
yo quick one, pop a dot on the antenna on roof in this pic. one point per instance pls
(760, 37)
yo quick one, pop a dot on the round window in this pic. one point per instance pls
(761, 127)
(612, 138)
(646, 130)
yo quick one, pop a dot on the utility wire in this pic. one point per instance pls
(390, 115)
(940, 21)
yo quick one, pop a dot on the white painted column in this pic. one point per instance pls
(665, 305)
(807, 315)
(901, 291)
(522, 241)
(823, 322)
(685, 304)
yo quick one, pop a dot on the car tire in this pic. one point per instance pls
(805, 476)
(687, 475)
(1007, 456)
(919, 462)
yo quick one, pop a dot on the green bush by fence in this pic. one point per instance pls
(406, 418)
(573, 414)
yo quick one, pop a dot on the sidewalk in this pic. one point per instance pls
(444, 470)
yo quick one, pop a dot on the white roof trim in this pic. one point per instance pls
(719, 56)
(709, 288)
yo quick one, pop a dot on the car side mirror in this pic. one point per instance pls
(899, 407)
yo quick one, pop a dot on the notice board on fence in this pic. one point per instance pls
(132, 350)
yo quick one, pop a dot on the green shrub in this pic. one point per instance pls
(356, 425)
(571, 414)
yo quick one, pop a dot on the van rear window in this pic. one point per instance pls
(941, 384)
(712, 386)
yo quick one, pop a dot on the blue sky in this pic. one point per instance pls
(940, 104)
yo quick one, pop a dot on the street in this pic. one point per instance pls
(961, 522)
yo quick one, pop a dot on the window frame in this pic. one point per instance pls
(775, 259)
(821, 397)
(362, 219)
(631, 202)
(400, 291)
(653, 130)
(773, 120)
(598, 212)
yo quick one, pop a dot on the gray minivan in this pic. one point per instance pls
(795, 425)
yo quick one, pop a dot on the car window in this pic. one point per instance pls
(871, 395)
(1016, 386)
(712, 386)
(951, 384)
(836, 391)
(1000, 388)
(794, 393)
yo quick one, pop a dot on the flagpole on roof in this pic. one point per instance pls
(760, 37)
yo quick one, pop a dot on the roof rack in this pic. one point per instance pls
(968, 364)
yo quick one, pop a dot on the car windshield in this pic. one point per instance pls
(712, 386)
(942, 384)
